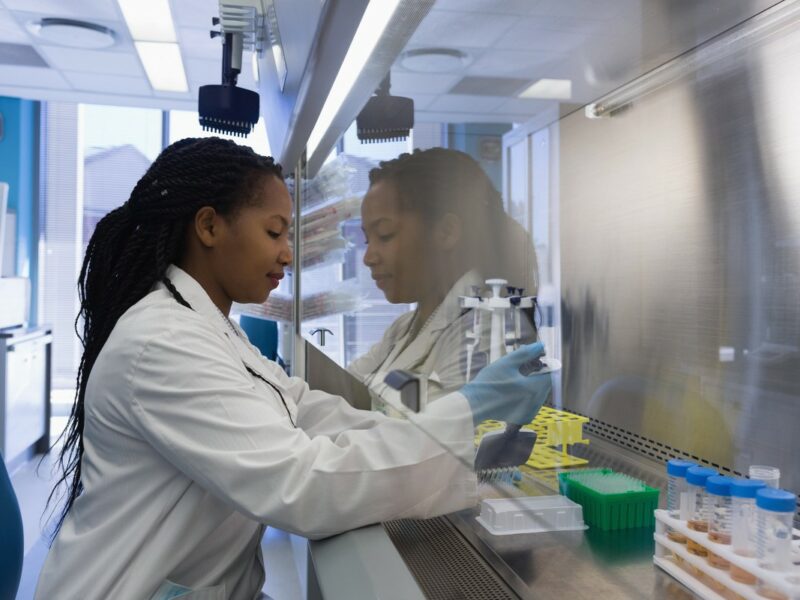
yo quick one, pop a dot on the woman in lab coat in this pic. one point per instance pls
(436, 229)
(184, 442)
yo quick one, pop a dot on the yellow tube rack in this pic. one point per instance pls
(556, 431)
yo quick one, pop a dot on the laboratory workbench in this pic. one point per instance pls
(450, 557)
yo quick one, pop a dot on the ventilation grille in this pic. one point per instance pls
(20, 55)
(445, 566)
(490, 86)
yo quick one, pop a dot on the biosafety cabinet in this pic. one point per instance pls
(643, 155)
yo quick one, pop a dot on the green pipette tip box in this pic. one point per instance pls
(611, 500)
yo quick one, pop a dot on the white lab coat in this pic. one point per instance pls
(188, 456)
(437, 352)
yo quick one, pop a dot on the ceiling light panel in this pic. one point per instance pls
(163, 65)
(148, 20)
(549, 89)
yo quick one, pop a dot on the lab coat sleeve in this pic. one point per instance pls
(197, 406)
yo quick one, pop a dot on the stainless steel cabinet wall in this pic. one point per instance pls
(24, 392)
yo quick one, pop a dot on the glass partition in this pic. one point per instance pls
(581, 175)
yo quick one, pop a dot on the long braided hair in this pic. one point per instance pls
(133, 245)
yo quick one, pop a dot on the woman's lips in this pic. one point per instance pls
(275, 279)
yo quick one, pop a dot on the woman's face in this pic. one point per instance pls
(399, 245)
(253, 248)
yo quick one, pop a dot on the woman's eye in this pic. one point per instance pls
(386, 237)
(274, 234)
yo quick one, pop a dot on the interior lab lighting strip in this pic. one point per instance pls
(373, 23)
(751, 31)
(153, 31)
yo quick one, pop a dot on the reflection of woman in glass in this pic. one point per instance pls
(436, 230)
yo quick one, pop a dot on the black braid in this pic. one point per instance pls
(133, 245)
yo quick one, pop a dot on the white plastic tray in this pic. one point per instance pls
(787, 583)
(530, 514)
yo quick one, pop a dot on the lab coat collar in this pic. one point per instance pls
(450, 308)
(448, 312)
(196, 296)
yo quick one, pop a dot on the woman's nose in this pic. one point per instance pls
(370, 257)
(286, 257)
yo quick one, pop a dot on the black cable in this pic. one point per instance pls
(181, 300)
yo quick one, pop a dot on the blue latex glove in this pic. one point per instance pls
(501, 392)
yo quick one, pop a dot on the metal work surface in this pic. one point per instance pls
(444, 565)
(617, 564)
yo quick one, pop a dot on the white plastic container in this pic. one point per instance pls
(531, 514)
(774, 516)
(696, 509)
(676, 486)
(771, 476)
(677, 490)
(718, 499)
(743, 523)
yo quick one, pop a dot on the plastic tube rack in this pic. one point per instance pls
(709, 582)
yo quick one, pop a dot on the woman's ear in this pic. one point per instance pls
(206, 226)
(449, 231)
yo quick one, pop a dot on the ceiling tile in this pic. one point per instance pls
(596, 9)
(195, 13)
(10, 31)
(92, 61)
(31, 77)
(510, 63)
(112, 84)
(525, 35)
(525, 106)
(196, 43)
(423, 101)
(405, 83)
(496, 7)
(465, 103)
(457, 29)
(82, 9)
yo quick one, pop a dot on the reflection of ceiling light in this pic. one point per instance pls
(373, 22)
(434, 60)
(549, 89)
(75, 34)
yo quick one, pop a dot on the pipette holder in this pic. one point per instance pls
(502, 310)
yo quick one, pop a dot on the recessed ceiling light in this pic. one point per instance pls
(75, 34)
(434, 60)
(549, 89)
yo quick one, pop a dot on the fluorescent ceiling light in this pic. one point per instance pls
(374, 21)
(148, 20)
(549, 89)
(163, 65)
